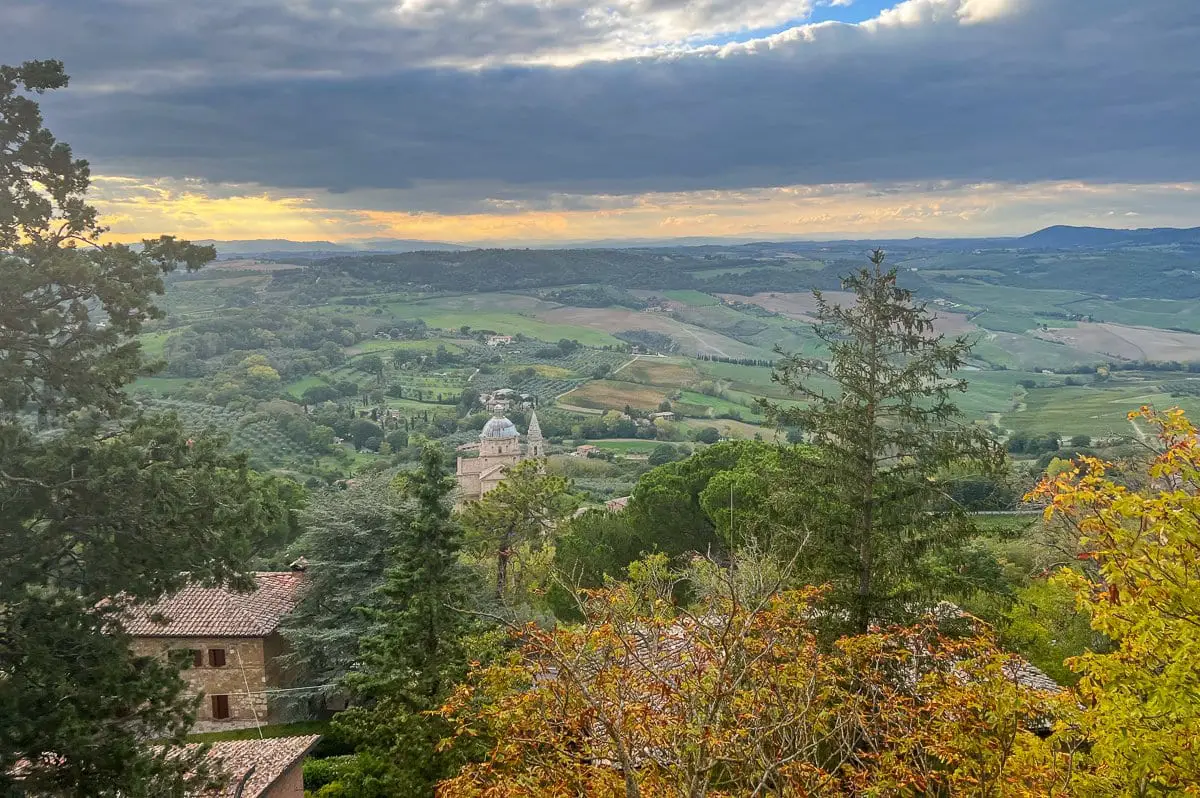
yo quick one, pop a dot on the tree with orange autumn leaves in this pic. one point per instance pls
(736, 695)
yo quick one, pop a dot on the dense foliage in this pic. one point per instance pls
(888, 427)
(99, 507)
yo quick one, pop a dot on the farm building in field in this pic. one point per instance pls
(233, 640)
(500, 448)
(499, 340)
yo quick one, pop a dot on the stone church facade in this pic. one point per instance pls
(500, 448)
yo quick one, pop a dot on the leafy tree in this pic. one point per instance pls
(1044, 625)
(683, 508)
(110, 508)
(1081, 441)
(663, 453)
(363, 430)
(709, 435)
(735, 696)
(319, 394)
(1141, 590)
(468, 400)
(889, 428)
(522, 509)
(371, 364)
(416, 655)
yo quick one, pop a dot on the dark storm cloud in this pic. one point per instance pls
(1094, 90)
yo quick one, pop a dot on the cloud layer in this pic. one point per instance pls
(495, 106)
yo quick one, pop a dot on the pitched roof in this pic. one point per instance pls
(256, 763)
(251, 765)
(199, 611)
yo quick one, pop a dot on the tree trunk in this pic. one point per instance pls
(501, 572)
(503, 553)
(866, 558)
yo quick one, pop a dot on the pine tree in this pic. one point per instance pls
(349, 540)
(417, 655)
(106, 508)
(880, 407)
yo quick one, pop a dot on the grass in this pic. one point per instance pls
(153, 343)
(1099, 411)
(379, 345)
(298, 387)
(552, 372)
(689, 297)
(160, 385)
(507, 314)
(626, 447)
(712, 405)
(730, 428)
(298, 729)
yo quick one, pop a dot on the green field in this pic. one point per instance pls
(1099, 411)
(625, 447)
(695, 298)
(161, 385)
(690, 402)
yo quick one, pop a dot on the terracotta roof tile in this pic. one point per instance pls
(259, 762)
(199, 611)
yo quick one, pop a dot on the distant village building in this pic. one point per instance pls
(586, 450)
(505, 399)
(666, 415)
(499, 340)
(234, 643)
(616, 505)
(499, 449)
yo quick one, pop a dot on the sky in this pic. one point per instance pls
(512, 122)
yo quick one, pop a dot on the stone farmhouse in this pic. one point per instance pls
(234, 642)
(499, 449)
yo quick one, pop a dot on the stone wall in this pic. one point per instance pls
(289, 785)
(246, 664)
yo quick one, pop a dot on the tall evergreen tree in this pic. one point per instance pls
(417, 655)
(880, 406)
(349, 539)
(102, 507)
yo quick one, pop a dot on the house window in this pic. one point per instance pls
(216, 657)
(220, 707)
(197, 658)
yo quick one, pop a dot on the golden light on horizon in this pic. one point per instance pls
(136, 209)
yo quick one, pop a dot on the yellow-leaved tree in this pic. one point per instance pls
(1140, 703)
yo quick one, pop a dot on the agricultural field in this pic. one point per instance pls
(1020, 310)
(609, 395)
(1099, 411)
(688, 297)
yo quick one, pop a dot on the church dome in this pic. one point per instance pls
(499, 427)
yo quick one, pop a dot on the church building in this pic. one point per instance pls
(500, 448)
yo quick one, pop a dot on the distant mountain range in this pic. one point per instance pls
(261, 247)
(1056, 237)
(1065, 237)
